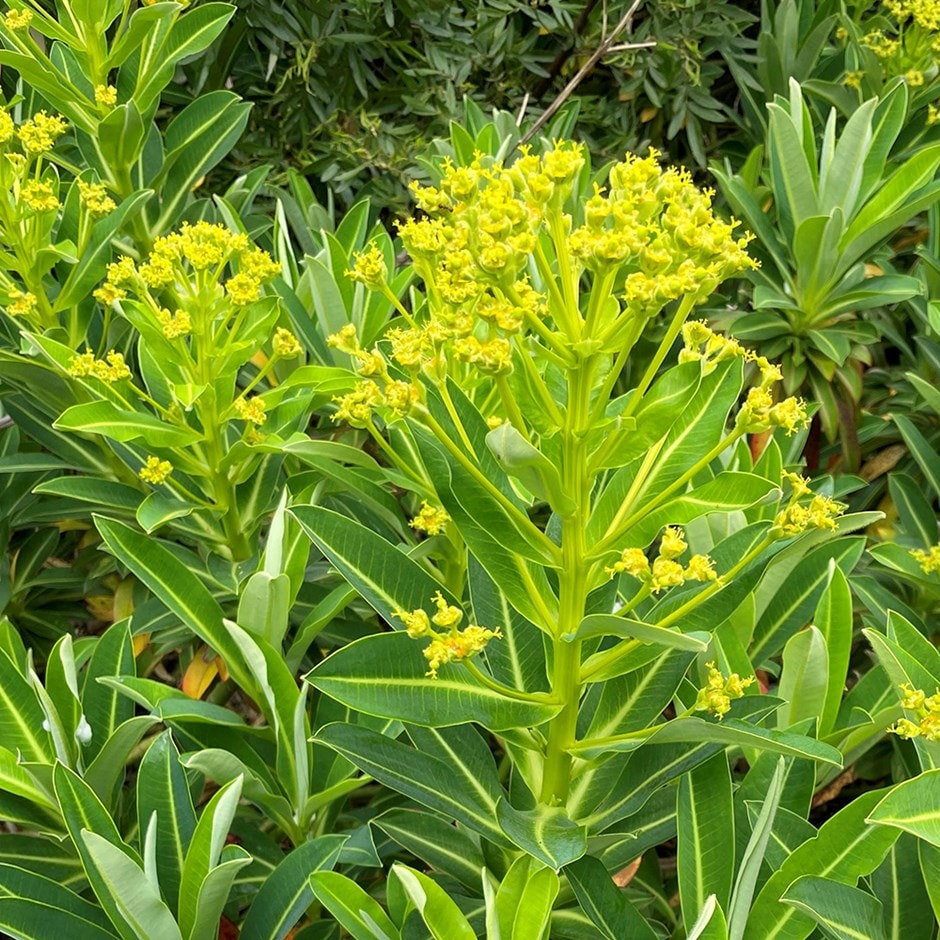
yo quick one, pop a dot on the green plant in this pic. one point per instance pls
(832, 209)
(493, 394)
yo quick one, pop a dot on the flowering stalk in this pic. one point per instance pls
(536, 298)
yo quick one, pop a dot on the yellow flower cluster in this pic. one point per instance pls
(927, 711)
(716, 695)
(430, 519)
(39, 134)
(925, 13)
(39, 196)
(445, 647)
(106, 95)
(22, 303)
(174, 325)
(18, 19)
(155, 470)
(853, 79)
(760, 413)
(95, 198)
(665, 571)
(929, 560)
(652, 230)
(820, 513)
(251, 410)
(369, 267)
(702, 344)
(286, 345)
(112, 368)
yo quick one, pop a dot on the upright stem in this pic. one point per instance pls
(572, 584)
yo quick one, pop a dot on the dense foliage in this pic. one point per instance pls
(420, 518)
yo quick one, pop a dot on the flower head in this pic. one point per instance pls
(430, 519)
(155, 470)
(39, 134)
(717, 693)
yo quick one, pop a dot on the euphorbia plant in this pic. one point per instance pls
(586, 600)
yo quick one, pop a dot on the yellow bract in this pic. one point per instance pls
(155, 470)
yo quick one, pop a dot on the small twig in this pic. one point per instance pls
(627, 46)
(522, 110)
(585, 69)
(564, 54)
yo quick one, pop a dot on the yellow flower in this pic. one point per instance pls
(174, 325)
(18, 19)
(430, 519)
(853, 79)
(39, 134)
(155, 470)
(447, 615)
(22, 303)
(716, 695)
(700, 568)
(673, 543)
(345, 340)
(933, 114)
(399, 397)
(666, 573)
(243, 288)
(286, 345)
(39, 196)
(112, 368)
(106, 95)
(369, 267)
(355, 407)
(821, 513)
(95, 198)
(632, 561)
(929, 561)
(914, 78)
(251, 410)
(7, 127)
(417, 623)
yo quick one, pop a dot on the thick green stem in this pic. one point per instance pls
(573, 585)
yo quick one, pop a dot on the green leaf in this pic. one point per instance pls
(522, 904)
(29, 919)
(842, 911)
(17, 882)
(628, 628)
(833, 618)
(118, 424)
(753, 857)
(804, 681)
(385, 676)
(705, 836)
(105, 774)
(354, 910)
(104, 707)
(162, 789)
(844, 849)
(135, 898)
(927, 458)
(710, 923)
(606, 904)
(179, 589)
(913, 806)
(464, 795)
(730, 731)
(196, 140)
(202, 858)
(439, 912)
(21, 716)
(529, 466)
(285, 894)
(436, 842)
(545, 832)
